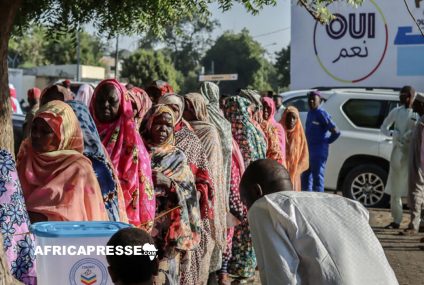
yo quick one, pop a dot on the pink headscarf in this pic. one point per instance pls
(12, 93)
(269, 103)
(130, 158)
(84, 94)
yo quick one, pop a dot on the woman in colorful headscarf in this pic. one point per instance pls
(18, 243)
(140, 103)
(238, 211)
(196, 114)
(159, 89)
(113, 115)
(84, 94)
(190, 144)
(102, 166)
(57, 180)
(255, 109)
(274, 132)
(253, 147)
(297, 154)
(210, 92)
(178, 231)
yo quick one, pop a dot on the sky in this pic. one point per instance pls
(271, 27)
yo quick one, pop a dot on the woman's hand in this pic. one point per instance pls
(161, 180)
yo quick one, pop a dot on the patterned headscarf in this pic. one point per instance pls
(210, 92)
(94, 150)
(250, 140)
(156, 111)
(181, 228)
(141, 99)
(129, 156)
(199, 106)
(173, 99)
(159, 86)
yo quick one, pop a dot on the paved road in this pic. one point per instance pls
(405, 254)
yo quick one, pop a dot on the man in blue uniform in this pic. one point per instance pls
(318, 125)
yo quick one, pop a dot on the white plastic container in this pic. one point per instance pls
(55, 269)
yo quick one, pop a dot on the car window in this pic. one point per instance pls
(301, 103)
(365, 113)
(392, 105)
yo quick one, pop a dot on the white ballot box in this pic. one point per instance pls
(73, 252)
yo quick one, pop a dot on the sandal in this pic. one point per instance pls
(392, 226)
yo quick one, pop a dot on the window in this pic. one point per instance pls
(301, 103)
(365, 113)
(392, 105)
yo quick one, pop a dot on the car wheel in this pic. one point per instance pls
(366, 184)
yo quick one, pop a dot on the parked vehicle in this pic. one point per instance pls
(18, 132)
(359, 161)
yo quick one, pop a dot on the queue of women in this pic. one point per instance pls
(166, 163)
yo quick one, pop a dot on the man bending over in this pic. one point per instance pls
(307, 237)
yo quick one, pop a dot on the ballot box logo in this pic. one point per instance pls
(88, 271)
(88, 277)
(353, 45)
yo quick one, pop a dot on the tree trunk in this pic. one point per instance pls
(8, 10)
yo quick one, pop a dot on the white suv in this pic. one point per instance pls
(359, 161)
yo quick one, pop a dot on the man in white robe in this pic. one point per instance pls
(416, 170)
(403, 119)
(309, 238)
(279, 107)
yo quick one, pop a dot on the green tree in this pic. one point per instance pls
(62, 49)
(186, 43)
(38, 47)
(282, 66)
(109, 16)
(144, 66)
(241, 54)
(28, 50)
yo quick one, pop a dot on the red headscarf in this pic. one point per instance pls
(142, 101)
(12, 92)
(129, 156)
(163, 86)
(34, 93)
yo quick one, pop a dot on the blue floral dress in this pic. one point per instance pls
(18, 243)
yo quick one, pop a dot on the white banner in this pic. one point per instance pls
(375, 45)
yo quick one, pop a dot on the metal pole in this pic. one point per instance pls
(213, 67)
(78, 56)
(116, 58)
